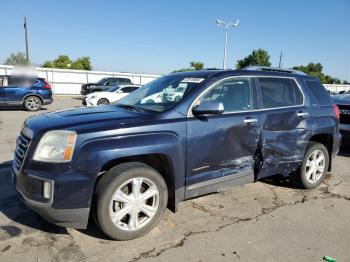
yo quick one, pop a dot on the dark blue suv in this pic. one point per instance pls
(29, 93)
(124, 163)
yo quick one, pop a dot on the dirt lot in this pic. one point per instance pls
(264, 221)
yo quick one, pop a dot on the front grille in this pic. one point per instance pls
(344, 114)
(21, 150)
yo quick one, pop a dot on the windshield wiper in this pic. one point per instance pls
(128, 107)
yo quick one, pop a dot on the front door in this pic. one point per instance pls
(220, 148)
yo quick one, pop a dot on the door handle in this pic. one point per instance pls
(302, 114)
(250, 120)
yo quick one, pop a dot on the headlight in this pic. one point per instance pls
(92, 97)
(56, 146)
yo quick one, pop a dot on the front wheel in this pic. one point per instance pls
(130, 200)
(314, 167)
(103, 101)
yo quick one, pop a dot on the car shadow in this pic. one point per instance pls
(78, 98)
(20, 109)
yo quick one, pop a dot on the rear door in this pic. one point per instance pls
(220, 148)
(283, 118)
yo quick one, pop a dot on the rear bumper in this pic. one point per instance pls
(336, 144)
(47, 101)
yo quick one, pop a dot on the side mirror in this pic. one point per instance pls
(208, 108)
(120, 91)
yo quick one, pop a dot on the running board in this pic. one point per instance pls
(213, 185)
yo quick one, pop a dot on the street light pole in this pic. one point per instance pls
(227, 26)
(26, 38)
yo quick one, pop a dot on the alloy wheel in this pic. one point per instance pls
(134, 204)
(315, 166)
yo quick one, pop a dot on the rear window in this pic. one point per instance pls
(319, 92)
(279, 92)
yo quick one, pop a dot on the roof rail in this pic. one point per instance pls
(274, 69)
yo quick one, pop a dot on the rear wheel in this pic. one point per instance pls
(32, 103)
(103, 101)
(314, 167)
(130, 200)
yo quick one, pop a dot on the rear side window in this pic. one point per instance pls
(279, 92)
(319, 92)
(124, 81)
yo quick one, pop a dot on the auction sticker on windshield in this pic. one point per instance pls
(192, 80)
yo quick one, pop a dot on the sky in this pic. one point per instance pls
(158, 37)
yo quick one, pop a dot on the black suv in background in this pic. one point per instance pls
(343, 102)
(104, 84)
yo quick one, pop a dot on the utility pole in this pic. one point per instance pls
(26, 38)
(280, 63)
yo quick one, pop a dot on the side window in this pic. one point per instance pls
(127, 89)
(279, 92)
(124, 81)
(319, 92)
(111, 82)
(235, 94)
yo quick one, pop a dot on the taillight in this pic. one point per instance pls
(47, 85)
(336, 111)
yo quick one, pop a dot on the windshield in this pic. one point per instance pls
(162, 93)
(113, 89)
(102, 81)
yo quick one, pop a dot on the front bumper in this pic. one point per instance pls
(63, 199)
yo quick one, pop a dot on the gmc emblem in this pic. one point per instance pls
(344, 111)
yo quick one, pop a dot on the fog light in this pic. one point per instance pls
(47, 190)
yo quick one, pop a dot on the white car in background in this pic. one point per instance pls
(111, 95)
(173, 94)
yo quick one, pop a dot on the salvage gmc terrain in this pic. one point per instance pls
(124, 163)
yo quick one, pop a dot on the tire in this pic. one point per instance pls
(120, 181)
(32, 103)
(309, 179)
(103, 101)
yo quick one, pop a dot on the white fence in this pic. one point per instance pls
(68, 82)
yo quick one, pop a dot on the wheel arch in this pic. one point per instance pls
(159, 161)
(327, 140)
(36, 95)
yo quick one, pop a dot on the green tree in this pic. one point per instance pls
(65, 62)
(18, 58)
(82, 63)
(257, 57)
(194, 65)
(315, 70)
(197, 65)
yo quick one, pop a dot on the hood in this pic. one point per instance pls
(343, 99)
(85, 119)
